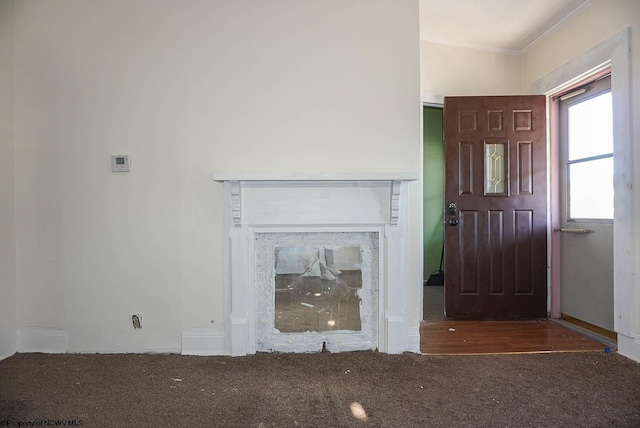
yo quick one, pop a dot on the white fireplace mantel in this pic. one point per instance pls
(317, 202)
(394, 180)
(316, 176)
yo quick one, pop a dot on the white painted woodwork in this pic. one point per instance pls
(295, 203)
(40, 339)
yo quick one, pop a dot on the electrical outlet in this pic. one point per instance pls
(136, 320)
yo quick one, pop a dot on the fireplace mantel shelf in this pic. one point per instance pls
(376, 176)
(236, 180)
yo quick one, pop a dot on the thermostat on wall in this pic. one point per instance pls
(120, 163)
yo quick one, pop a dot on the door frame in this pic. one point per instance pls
(614, 53)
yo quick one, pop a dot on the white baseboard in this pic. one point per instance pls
(395, 335)
(350, 346)
(629, 347)
(203, 341)
(39, 339)
(413, 340)
(5, 356)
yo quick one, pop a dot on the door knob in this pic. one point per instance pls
(453, 222)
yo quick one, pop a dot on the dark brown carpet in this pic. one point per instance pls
(322, 390)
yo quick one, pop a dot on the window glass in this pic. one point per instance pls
(495, 167)
(590, 127)
(317, 288)
(589, 154)
(591, 189)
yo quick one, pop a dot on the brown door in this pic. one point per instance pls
(495, 207)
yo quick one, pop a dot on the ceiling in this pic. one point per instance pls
(507, 26)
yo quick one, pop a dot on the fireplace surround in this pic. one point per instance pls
(275, 221)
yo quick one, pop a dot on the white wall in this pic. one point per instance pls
(576, 40)
(7, 188)
(450, 70)
(187, 88)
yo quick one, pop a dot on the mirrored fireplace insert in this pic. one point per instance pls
(316, 290)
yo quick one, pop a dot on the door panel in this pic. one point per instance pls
(587, 276)
(495, 179)
(586, 181)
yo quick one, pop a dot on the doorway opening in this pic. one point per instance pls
(582, 139)
(433, 214)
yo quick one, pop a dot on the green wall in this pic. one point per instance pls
(433, 175)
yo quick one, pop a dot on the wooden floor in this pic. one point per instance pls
(501, 337)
